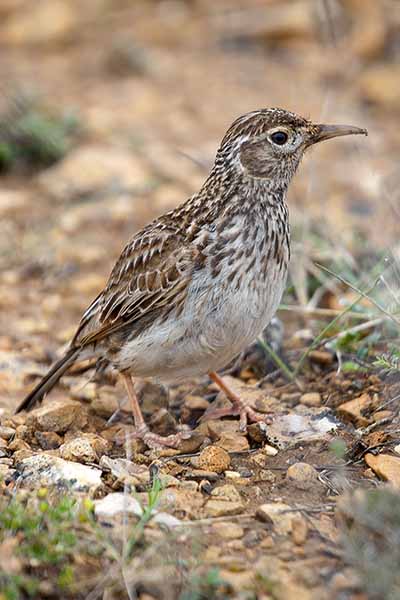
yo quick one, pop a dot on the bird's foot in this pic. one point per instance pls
(155, 441)
(238, 407)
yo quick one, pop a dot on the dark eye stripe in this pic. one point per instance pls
(279, 137)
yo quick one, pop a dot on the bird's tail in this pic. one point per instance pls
(49, 380)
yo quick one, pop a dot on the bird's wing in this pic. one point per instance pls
(151, 275)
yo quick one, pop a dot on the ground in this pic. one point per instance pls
(111, 113)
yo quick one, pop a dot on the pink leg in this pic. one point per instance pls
(152, 440)
(246, 413)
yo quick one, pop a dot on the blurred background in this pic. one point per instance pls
(111, 112)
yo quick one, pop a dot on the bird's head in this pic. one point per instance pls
(269, 143)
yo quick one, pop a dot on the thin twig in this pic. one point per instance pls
(277, 360)
(322, 313)
(361, 293)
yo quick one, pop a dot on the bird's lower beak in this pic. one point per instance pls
(326, 132)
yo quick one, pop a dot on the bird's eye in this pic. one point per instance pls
(279, 137)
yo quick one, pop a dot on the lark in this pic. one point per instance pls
(196, 286)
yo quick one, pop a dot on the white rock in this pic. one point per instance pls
(116, 503)
(166, 520)
(47, 470)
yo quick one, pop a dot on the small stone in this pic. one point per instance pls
(48, 440)
(355, 410)
(291, 398)
(311, 399)
(396, 449)
(257, 432)
(214, 458)
(229, 531)
(58, 416)
(227, 492)
(321, 357)
(385, 466)
(46, 470)
(302, 475)
(221, 508)
(17, 444)
(199, 474)
(162, 422)
(165, 520)
(232, 442)
(259, 459)
(299, 530)
(116, 503)
(152, 396)
(267, 476)
(6, 432)
(277, 514)
(79, 450)
(232, 475)
(193, 408)
(382, 414)
(270, 450)
(105, 405)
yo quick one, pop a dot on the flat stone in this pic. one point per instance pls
(79, 450)
(227, 492)
(385, 466)
(6, 432)
(229, 531)
(302, 475)
(233, 442)
(221, 508)
(45, 470)
(311, 399)
(117, 503)
(166, 520)
(303, 425)
(356, 409)
(214, 458)
(58, 416)
(275, 514)
(48, 440)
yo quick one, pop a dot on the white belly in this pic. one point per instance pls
(215, 326)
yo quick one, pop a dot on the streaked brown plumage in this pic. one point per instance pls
(198, 284)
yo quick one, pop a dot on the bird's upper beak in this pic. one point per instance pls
(323, 132)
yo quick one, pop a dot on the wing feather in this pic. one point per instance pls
(152, 274)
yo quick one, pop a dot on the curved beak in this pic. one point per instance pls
(326, 132)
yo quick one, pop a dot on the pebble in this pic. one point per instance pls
(58, 416)
(78, 450)
(232, 442)
(257, 432)
(321, 357)
(105, 405)
(229, 531)
(354, 410)
(311, 399)
(299, 530)
(275, 514)
(385, 466)
(221, 508)
(6, 432)
(227, 492)
(48, 440)
(302, 475)
(214, 458)
(48, 470)
(116, 503)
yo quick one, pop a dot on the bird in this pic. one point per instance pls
(197, 285)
